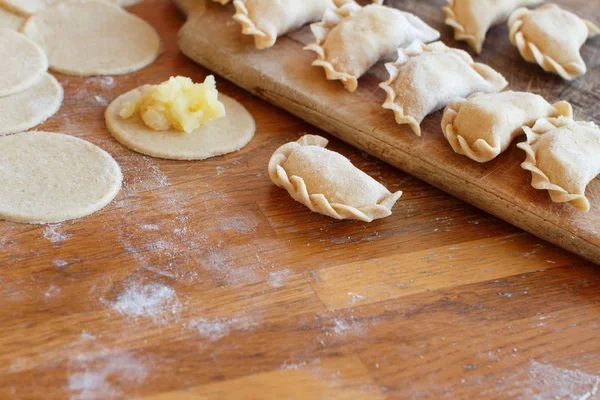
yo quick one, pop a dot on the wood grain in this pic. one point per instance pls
(282, 75)
(205, 280)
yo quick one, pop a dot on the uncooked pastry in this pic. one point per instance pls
(24, 110)
(215, 138)
(26, 7)
(562, 156)
(49, 177)
(552, 38)
(483, 126)
(328, 183)
(93, 37)
(425, 78)
(471, 19)
(22, 62)
(266, 20)
(10, 20)
(351, 39)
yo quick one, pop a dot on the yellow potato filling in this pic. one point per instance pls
(177, 104)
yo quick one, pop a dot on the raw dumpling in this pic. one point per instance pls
(425, 78)
(268, 19)
(483, 126)
(351, 39)
(562, 156)
(551, 37)
(471, 19)
(327, 182)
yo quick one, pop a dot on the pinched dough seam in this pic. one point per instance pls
(481, 151)
(531, 53)
(415, 50)
(317, 202)
(539, 180)
(331, 19)
(460, 32)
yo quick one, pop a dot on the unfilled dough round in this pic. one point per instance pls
(93, 37)
(22, 111)
(50, 177)
(215, 138)
(10, 20)
(22, 62)
(26, 7)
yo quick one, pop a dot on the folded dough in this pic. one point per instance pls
(327, 182)
(351, 39)
(483, 126)
(471, 19)
(266, 20)
(425, 78)
(562, 156)
(551, 37)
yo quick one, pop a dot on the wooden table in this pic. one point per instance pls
(203, 280)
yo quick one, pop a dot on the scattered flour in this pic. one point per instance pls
(101, 100)
(60, 264)
(149, 227)
(286, 365)
(557, 383)
(99, 375)
(52, 290)
(54, 235)
(218, 328)
(278, 278)
(355, 298)
(155, 301)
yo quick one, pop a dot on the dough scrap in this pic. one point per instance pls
(93, 37)
(24, 110)
(471, 19)
(426, 77)
(22, 62)
(328, 183)
(266, 20)
(483, 126)
(50, 177)
(215, 138)
(562, 156)
(552, 37)
(10, 20)
(351, 39)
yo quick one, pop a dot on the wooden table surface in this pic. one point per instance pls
(203, 280)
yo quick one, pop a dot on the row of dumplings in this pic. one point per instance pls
(479, 121)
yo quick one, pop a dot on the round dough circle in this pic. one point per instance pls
(24, 110)
(215, 138)
(93, 37)
(10, 20)
(22, 62)
(26, 7)
(50, 177)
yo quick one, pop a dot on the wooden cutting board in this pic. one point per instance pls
(283, 76)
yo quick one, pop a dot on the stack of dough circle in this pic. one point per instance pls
(93, 37)
(49, 177)
(215, 138)
(22, 62)
(10, 20)
(24, 110)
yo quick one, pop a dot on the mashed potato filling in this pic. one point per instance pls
(177, 104)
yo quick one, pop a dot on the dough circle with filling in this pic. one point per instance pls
(24, 110)
(93, 37)
(50, 177)
(22, 62)
(215, 138)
